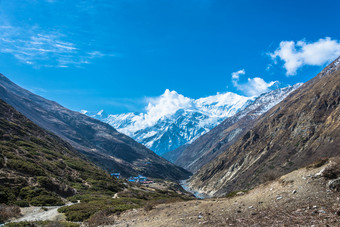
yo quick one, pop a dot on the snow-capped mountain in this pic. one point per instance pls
(206, 148)
(172, 120)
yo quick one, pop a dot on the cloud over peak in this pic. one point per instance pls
(298, 54)
(253, 87)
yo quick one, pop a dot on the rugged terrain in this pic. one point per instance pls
(207, 147)
(98, 141)
(38, 168)
(302, 128)
(305, 197)
(173, 120)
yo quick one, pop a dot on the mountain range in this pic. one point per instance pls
(173, 120)
(98, 141)
(204, 149)
(303, 128)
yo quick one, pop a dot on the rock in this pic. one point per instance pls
(200, 216)
(321, 211)
(334, 185)
(294, 191)
(278, 197)
(251, 207)
(239, 193)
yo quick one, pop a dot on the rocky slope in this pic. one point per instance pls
(302, 128)
(204, 149)
(301, 198)
(98, 141)
(173, 120)
(37, 167)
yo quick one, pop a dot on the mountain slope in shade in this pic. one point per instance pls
(193, 156)
(38, 167)
(101, 143)
(173, 120)
(304, 127)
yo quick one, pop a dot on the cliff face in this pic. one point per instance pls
(302, 128)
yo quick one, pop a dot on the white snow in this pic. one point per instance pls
(172, 119)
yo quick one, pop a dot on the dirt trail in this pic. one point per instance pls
(47, 213)
(299, 198)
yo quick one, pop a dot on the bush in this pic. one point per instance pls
(318, 163)
(84, 210)
(26, 167)
(40, 197)
(47, 200)
(148, 207)
(7, 212)
(332, 172)
(21, 203)
(101, 218)
(45, 182)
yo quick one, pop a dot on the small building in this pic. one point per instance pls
(138, 179)
(115, 175)
(142, 178)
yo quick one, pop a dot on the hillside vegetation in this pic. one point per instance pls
(98, 141)
(37, 168)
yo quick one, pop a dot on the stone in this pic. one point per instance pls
(334, 185)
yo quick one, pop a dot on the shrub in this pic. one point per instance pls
(148, 207)
(332, 171)
(45, 182)
(26, 167)
(101, 218)
(21, 203)
(7, 212)
(47, 200)
(318, 163)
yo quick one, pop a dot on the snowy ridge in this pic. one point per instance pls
(172, 120)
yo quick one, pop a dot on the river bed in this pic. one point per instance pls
(198, 195)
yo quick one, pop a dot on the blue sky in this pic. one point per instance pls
(116, 54)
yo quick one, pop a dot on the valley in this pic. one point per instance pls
(169, 113)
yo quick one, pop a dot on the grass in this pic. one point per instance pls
(84, 210)
(93, 206)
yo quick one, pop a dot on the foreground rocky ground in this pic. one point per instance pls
(301, 198)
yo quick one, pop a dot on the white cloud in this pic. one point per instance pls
(165, 105)
(213, 108)
(236, 75)
(253, 87)
(296, 55)
(35, 47)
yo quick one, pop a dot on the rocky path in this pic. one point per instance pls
(48, 213)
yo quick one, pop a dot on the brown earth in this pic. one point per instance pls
(302, 128)
(300, 198)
